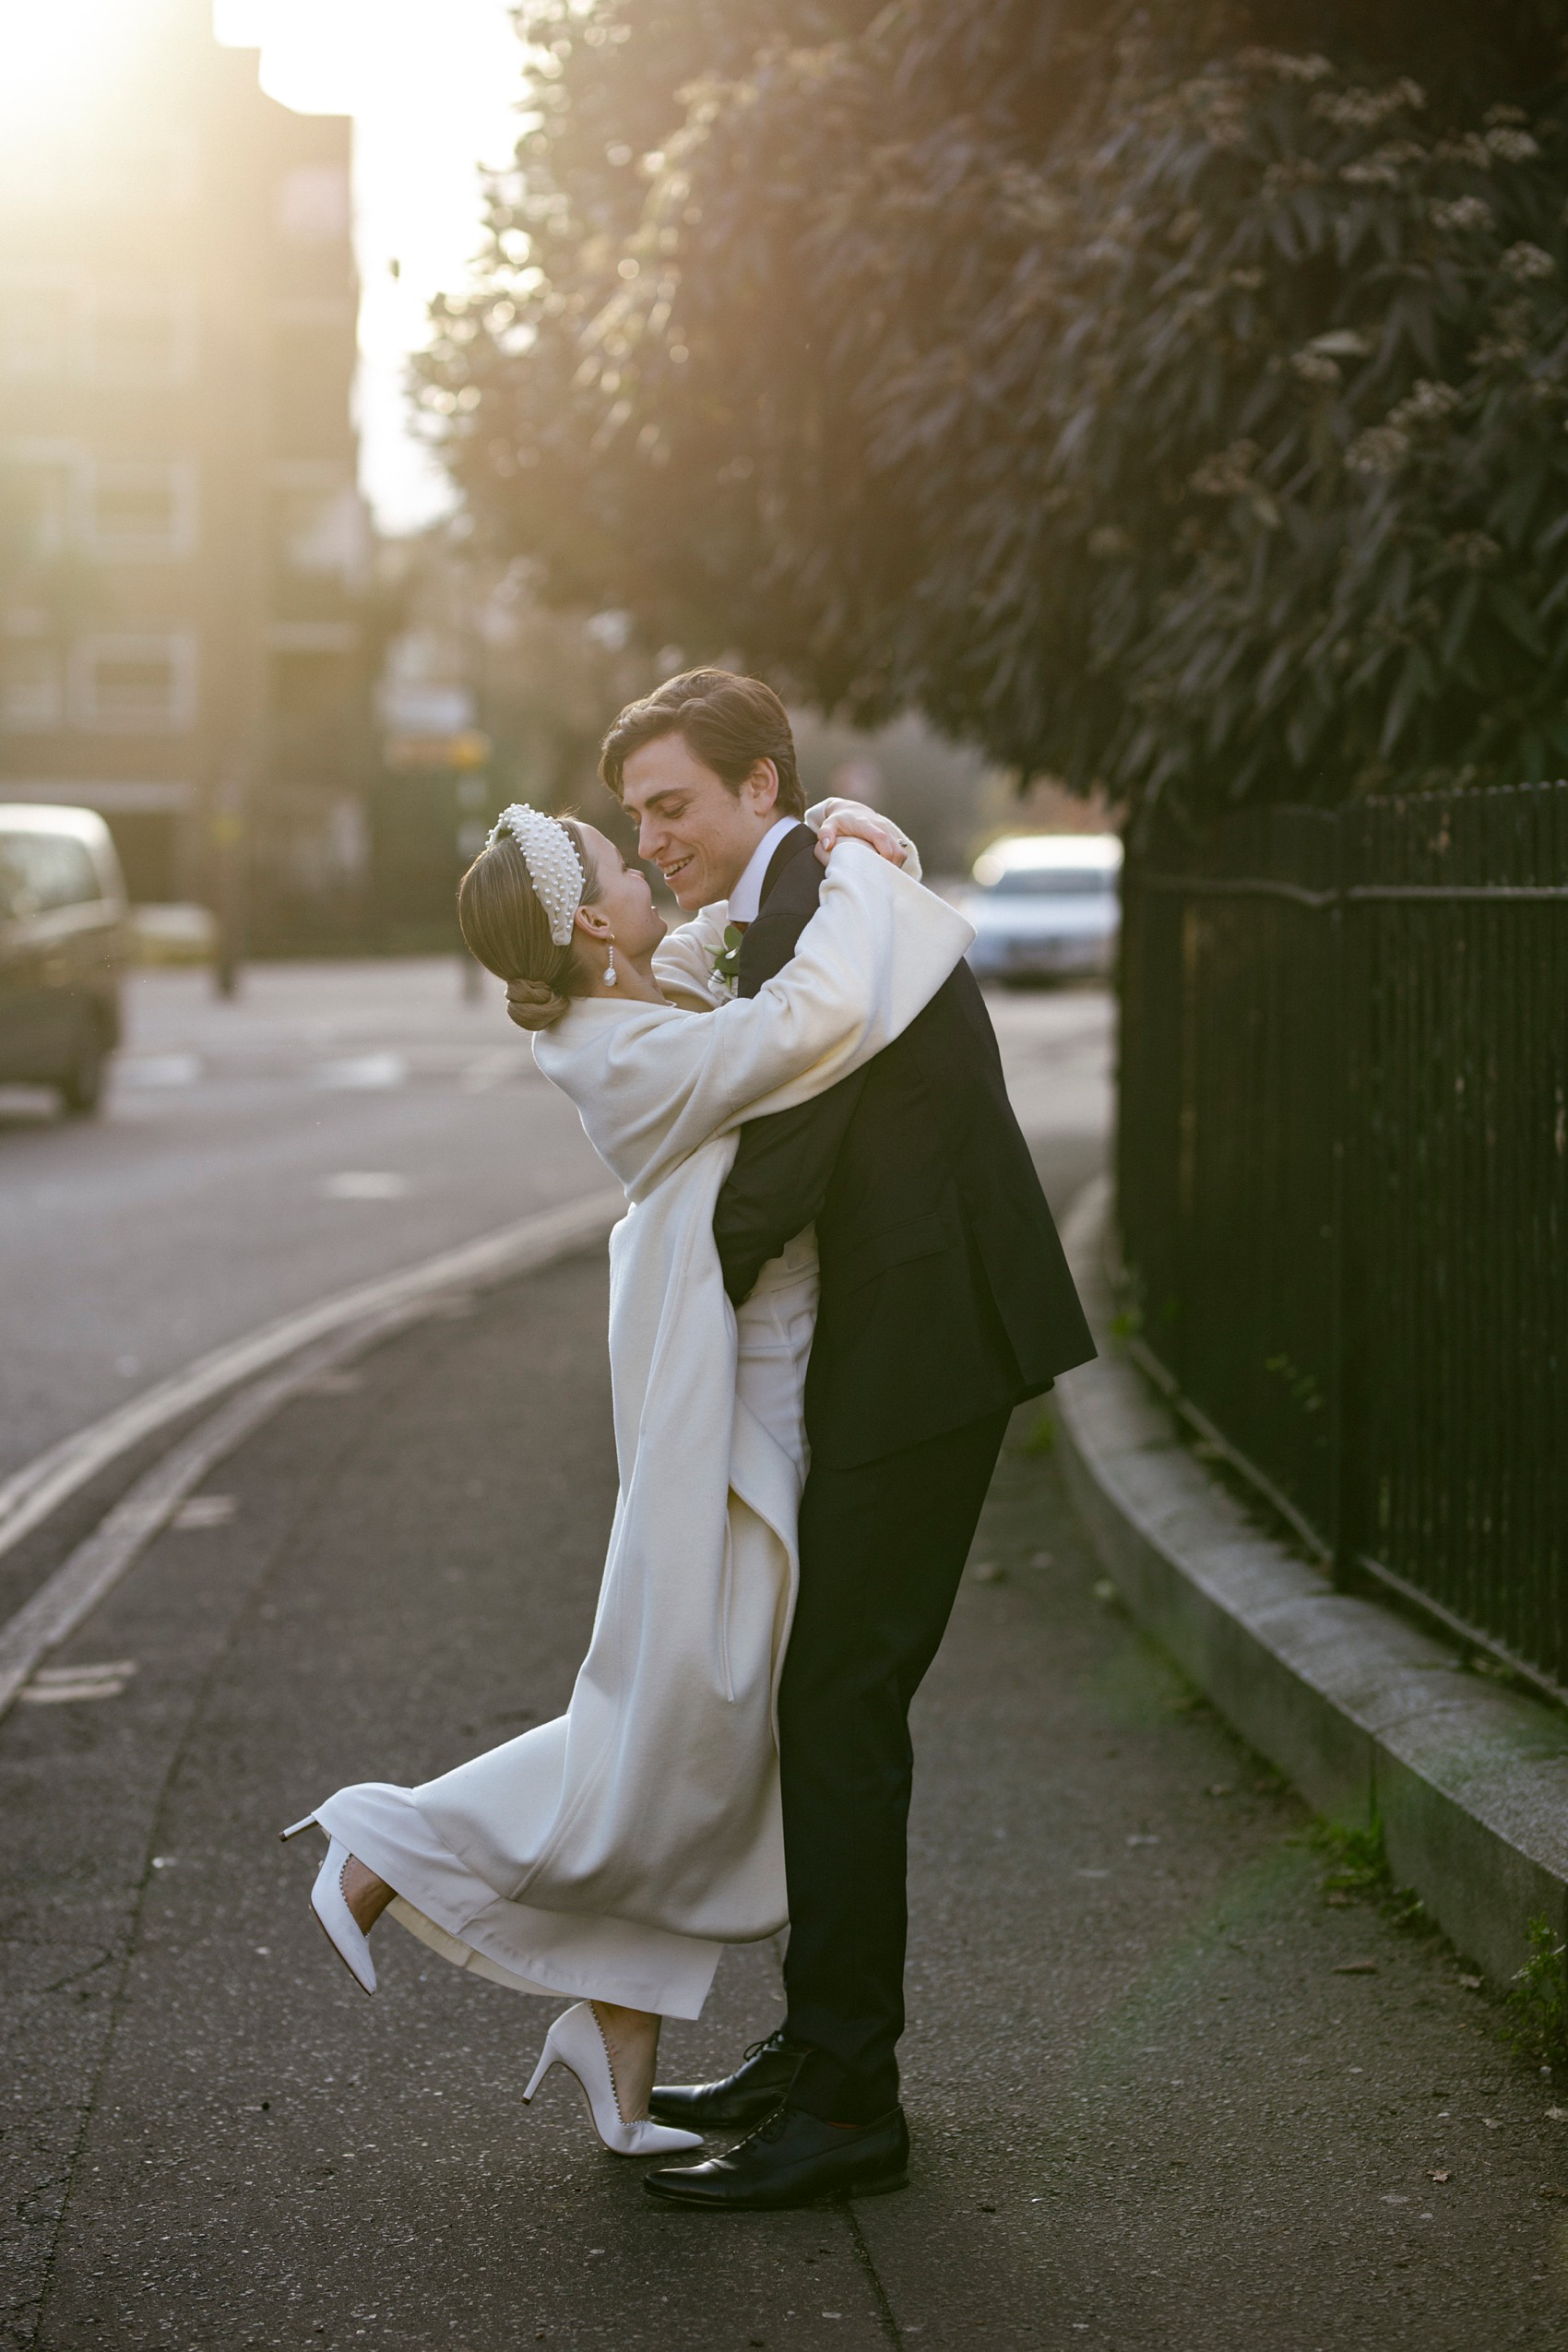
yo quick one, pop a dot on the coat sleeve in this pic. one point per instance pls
(816, 816)
(870, 959)
(783, 1166)
(784, 1161)
(683, 963)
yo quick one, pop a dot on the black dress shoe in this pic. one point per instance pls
(754, 2090)
(792, 2159)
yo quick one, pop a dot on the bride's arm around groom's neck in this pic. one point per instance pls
(683, 963)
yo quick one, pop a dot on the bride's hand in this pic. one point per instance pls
(851, 820)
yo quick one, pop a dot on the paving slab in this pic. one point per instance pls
(1163, 2094)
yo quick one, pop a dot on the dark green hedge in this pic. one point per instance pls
(1164, 409)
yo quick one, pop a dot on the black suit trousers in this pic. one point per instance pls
(883, 1548)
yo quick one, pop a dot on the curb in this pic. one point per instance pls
(1372, 1718)
(30, 1493)
(342, 1327)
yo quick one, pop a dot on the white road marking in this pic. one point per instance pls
(204, 1511)
(361, 1071)
(496, 1069)
(30, 1495)
(157, 1070)
(363, 1184)
(58, 1685)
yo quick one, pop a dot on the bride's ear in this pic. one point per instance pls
(595, 922)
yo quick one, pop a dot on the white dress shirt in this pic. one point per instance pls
(745, 899)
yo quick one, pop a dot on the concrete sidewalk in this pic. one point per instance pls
(1163, 2095)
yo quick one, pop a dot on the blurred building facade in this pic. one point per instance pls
(184, 553)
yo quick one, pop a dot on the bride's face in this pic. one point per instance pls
(625, 899)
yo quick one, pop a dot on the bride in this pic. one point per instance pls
(610, 1856)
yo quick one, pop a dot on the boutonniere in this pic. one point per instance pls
(727, 960)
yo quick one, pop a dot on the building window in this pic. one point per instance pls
(32, 699)
(321, 531)
(38, 323)
(37, 498)
(142, 510)
(135, 685)
(141, 338)
(313, 203)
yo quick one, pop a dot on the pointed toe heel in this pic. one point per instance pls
(329, 1903)
(575, 2042)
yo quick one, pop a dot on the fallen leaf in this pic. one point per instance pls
(1222, 1788)
(1336, 1899)
(1471, 1983)
(1356, 1968)
(1492, 2122)
(1557, 2114)
(1439, 2176)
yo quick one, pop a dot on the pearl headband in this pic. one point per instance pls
(554, 868)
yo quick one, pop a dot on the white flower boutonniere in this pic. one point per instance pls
(727, 962)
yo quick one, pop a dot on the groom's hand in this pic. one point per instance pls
(851, 820)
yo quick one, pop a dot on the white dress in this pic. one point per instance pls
(614, 1852)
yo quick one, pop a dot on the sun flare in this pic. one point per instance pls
(52, 59)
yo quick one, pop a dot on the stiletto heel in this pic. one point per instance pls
(329, 1903)
(576, 2042)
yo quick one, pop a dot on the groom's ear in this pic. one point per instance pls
(761, 787)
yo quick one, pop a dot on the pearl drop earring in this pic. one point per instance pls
(609, 967)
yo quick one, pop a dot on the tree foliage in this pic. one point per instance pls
(1147, 402)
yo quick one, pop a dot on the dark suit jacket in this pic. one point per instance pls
(944, 1291)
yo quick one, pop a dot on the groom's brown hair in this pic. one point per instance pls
(726, 721)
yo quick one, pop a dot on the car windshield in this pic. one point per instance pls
(42, 870)
(1053, 882)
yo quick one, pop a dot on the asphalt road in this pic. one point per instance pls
(335, 1122)
(1164, 2094)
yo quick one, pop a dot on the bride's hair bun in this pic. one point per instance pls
(535, 1004)
(508, 930)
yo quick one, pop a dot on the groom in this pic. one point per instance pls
(945, 1300)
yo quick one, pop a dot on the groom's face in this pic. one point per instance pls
(690, 825)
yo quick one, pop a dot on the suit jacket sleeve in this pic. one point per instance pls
(785, 1160)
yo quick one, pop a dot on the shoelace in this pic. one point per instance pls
(773, 2040)
(770, 2129)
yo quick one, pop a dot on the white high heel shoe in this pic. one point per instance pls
(328, 1902)
(575, 2042)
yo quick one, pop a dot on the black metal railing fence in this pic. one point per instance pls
(1343, 1183)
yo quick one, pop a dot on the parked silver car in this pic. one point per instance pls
(1045, 906)
(62, 945)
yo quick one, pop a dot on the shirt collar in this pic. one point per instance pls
(745, 899)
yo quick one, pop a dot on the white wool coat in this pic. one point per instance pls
(639, 1832)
